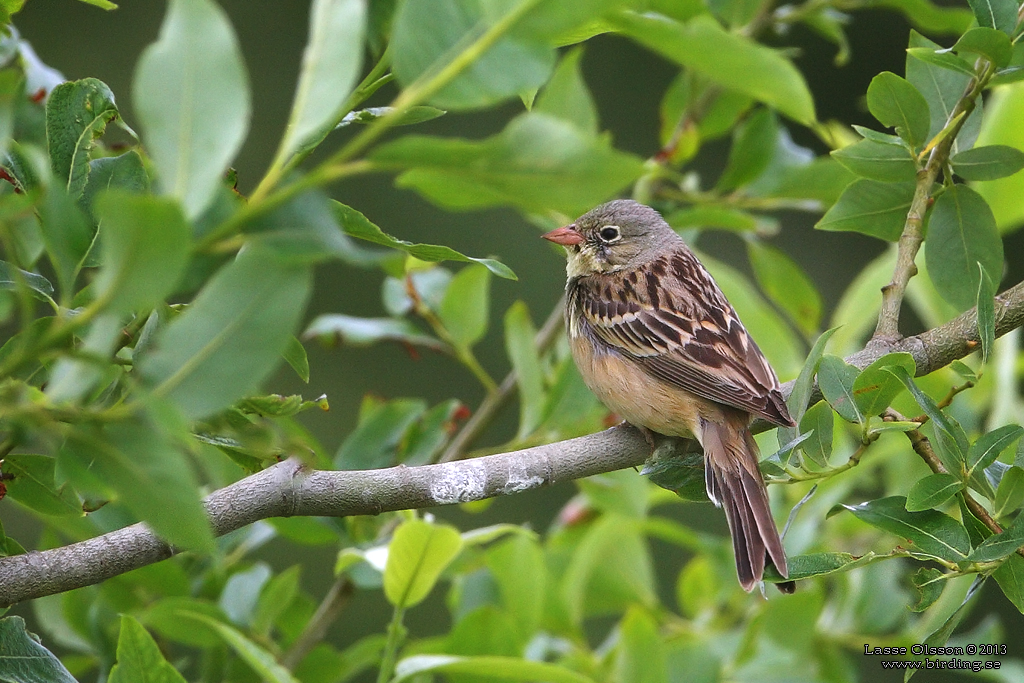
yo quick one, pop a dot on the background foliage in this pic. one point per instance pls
(146, 302)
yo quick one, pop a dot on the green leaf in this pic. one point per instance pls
(801, 394)
(426, 437)
(991, 44)
(961, 234)
(12, 89)
(641, 652)
(823, 180)
(928, 533)
(465, 307)
(374, 443)
(1010, 492)
(30, 481)
(942, 90)
(932, 492)
(125, 172)
(941, 635)
(232, 335)
(990, 162)
(276, 405)
(819, 564)
(898, 104)
(566, 95)
(174, 619)
(12, 278)
(410, 116)
(518, 567)
(819, 422)
(144, 250)
(881, 138)
(537, 163)
(876, 387)
(241, 592)
(620, 492)
(418, 553)
(786, 285)
(259, 660)
(275, 599)
(878, 161)
(683, 475)
(929, 584)
(305, 229)
(987, 448)
(996, 14)
(295, 355)
(1010, 577)
(951, 439)
(191, 95)
(610, 570)
(357, 225)
(964, 370)
(521, 346)
(67, 234)
(753, 145)
(486, 668)
(836, 379)
(366, 331)
(720, 217)
(330, 65)
(314, 531)
(139, 659)
(143, 462)
(734, 13)
(729, 59)
(485, 630)
(879, 426)
(1003, 112)
(71, 379)
(942, 59)
(24, 660)
(429, 34)
(870, 207)
(998, 546)
(76, 114)
(930, 17)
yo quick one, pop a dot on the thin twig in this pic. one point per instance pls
(945, 402)
(326, 614)
(494, 401)
(913, 229)
(923, 447)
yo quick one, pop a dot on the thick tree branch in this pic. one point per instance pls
(290, 489)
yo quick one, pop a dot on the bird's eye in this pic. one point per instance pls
(610, 233)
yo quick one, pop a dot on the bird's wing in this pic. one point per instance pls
(673, 320)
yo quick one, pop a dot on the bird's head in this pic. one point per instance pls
(619, 235)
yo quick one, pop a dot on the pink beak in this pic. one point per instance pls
(565, 236)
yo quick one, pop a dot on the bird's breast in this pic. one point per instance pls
(627, 390)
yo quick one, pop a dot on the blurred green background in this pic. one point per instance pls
(627, 83)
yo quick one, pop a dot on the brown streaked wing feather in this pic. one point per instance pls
(688, 335)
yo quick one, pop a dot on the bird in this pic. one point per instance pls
(658, 343)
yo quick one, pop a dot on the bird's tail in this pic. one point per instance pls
(734, 483)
